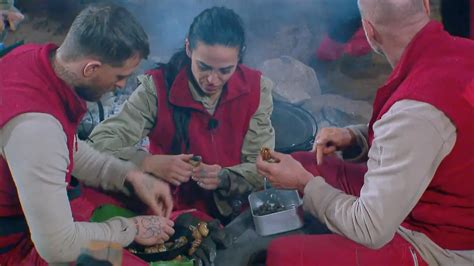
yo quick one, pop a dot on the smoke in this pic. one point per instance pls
(274, 27)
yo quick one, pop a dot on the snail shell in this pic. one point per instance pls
(265, 153)
(203, 229)
(195, 232)
(194, 246)
(195, 161)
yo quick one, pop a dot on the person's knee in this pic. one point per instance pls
(282, 251)
(306, 158)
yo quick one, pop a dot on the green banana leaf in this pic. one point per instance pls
(185, 262)
(107, 211)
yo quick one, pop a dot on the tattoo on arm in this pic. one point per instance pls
(151, 227)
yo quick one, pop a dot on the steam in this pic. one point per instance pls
(274, 27)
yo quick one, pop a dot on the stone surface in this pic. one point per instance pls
(294, 81)
(351, 107)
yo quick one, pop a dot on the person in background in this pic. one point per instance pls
(411, 201)
(9, 14)
(203, 102)
(43, 89)
(344, 31)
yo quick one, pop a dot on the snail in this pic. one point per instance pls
(265, 152)
(156, 249)
(195, 161)
(195, 232)
(267, 155)
(203, 230)
(194, 246)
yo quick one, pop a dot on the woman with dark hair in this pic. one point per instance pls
(202, 102)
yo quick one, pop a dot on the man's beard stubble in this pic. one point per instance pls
(87, 93)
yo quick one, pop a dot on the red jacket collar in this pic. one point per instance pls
(421, 43)
(180, 94)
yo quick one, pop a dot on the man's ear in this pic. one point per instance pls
(188, 49)
(369, 29)
(427, 6)
(91, 68)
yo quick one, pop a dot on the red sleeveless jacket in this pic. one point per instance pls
(438, 69)
(28, 84)
(220, 143)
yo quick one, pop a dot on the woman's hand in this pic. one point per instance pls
(174, 169)
(207, 176)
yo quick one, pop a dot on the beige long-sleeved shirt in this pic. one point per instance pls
(410, 141)
(6, 4)
(34, 146)
(119, 135)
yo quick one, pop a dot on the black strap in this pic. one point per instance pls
(9, 247)
(8, 49)
(17, 224)
(74, 190)
(12, 225)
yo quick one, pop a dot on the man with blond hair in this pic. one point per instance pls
(412, 200)
(43, 89)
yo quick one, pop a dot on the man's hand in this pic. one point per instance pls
(152, 230)
(287, 174)
(174, 169)
(13, 16)
(152, 191)
(207, 176)
(331, 139)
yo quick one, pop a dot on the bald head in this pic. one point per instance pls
(392, 12)
(390, 25)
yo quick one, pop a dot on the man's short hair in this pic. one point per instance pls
(108, 32)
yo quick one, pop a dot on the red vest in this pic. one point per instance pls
(221, 145)
(438, 69)
(28, 84)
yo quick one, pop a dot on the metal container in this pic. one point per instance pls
(278, 222)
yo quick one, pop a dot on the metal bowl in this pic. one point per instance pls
(287, 216)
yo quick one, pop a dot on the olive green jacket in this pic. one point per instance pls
(120, 134)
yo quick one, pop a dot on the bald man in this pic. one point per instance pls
(411, 201)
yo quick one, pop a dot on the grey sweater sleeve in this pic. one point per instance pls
(99, 169)
(359, 152)
(34, 145)
(410, 142)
